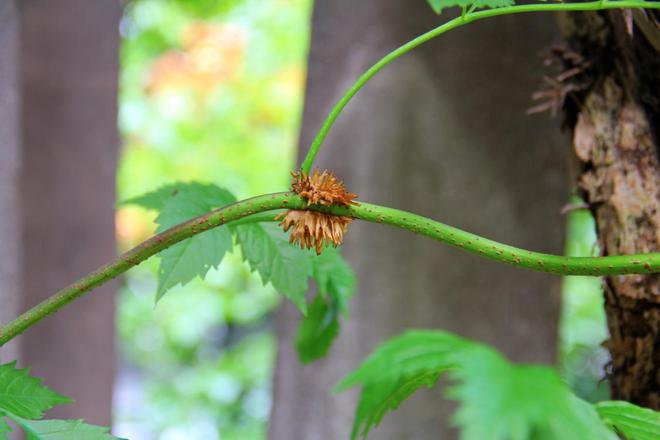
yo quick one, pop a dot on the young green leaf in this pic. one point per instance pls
(62, 430)
(317, 329)
(25, 396)
(193, 257)
(266, 248)
(497, 400)
(634, 422)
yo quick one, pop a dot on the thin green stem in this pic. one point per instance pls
(140, 253)
(268, 216)
(452, 24)
(260, 206)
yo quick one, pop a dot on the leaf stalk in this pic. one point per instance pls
(461, 20)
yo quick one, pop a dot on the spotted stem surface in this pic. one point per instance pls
(260, 206)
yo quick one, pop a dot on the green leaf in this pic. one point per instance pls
(498, 400)
(436, 5)
(378, 398)
(634, 422)
(4, 429)
(266, 248)
(335, 282)
(62, 430)
(493, 4)
(395, 370)
(192, 257)
(439, 5)
(156, 199)
(317, 330)
(334, 277)
(25, 396)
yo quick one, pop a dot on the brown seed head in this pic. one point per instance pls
(322, 189)
(313, 229)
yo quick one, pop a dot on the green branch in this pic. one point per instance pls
(241, 211)
(452, 24)
(140, 253)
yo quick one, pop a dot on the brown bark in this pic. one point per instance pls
(441, 132)
(615, 138)
(69, 70)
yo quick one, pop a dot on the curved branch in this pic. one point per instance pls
(452, 24)
(594, 266)
(143, 251)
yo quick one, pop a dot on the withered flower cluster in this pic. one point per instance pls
(322, 189)
(312, 229)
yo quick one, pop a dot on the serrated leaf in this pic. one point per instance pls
(493, 4)
(25, 396)
(497, 400)
(384, 396)
(439, 5)
(334, 277)
(268, 252)
(192, 257)
(317, 330)
(191, 198)
(634, 422)
(335, 282)
(395, 370)
(156, 199)
(63, 430)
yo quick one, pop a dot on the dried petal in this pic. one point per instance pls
(322, 189)
(313, 229)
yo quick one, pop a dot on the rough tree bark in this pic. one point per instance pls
(68, 70)
(615, 117)
(442, 133)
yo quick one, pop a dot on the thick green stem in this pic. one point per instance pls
(612, 265)
(452, 24)
(140, 253)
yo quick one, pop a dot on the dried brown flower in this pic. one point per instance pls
(322, 189)
(313, 229)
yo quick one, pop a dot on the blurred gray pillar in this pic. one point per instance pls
(9, 169)
(69, 72)
(442, 132)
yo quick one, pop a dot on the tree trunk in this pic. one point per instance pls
(9, 170)
(615, 116)
(441, 133)
(69, 69)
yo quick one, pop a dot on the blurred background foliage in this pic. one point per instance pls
(211, 91)
(583, 329)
